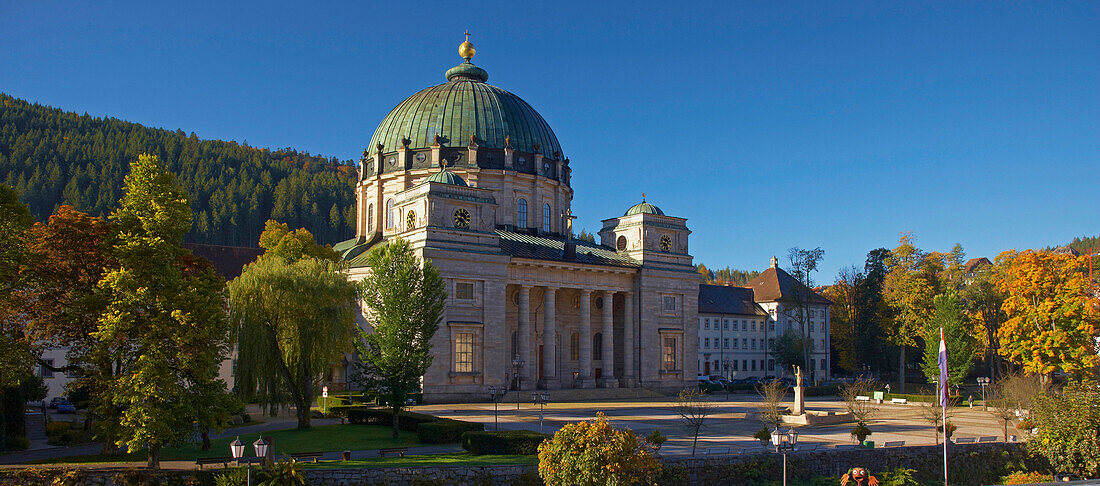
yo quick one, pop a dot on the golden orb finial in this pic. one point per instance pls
(466, 49)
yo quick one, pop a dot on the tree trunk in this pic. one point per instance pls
(901, 369)
(396, 420)
(154, 456)
(694, 441)
(305, 397)
(205, 439)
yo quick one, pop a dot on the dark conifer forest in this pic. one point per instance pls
(52, 157)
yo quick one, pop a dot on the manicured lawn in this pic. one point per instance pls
(317, 439)
(454, 459)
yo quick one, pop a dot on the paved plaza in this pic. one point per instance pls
(731, 425)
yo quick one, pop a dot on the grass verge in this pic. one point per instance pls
(325, 438)
(453, 459)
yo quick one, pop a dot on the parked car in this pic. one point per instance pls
(65, 407)
(56, 400)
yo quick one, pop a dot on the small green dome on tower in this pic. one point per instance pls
(644, 208)
(447, 177)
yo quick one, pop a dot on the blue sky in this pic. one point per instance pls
(832, 124)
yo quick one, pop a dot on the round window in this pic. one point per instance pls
(620, 243)
(666, 243)
(599, 302)
(462, 218)
(410, 220)
(522, 161)
(392, 160)
(420, 157)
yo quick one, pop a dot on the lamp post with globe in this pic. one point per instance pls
(496, 395)
(517, 364)
(541, 399)
(783, 443)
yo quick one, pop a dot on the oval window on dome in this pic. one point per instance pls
(420, 157)
(392, 160)
(522, 161)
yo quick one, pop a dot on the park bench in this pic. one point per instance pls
(714, 451)
(303, 456)
(393, 451)
(893, 443)
(224, 461)
(964, 440)
(987, 438)
(847, 447)
(862, 398)
(901, 401)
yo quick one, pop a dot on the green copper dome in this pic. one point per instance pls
(465, 105)
(447, 177)
(644, 208)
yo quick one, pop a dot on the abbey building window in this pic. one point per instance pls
(521, 213)
(546, 218)
(464, 352)
(389, 214)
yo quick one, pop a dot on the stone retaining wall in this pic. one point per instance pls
(970, 464)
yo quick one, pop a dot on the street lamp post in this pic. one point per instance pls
(541, 399)
(984, 382)
(237, 450)
(517, 364)
(496, 394)
(729, 378)
(783, 443)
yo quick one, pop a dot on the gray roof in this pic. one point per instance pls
(552, 247)
(722, 299)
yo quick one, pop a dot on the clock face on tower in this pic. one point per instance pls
(462, 218)
(666, 243)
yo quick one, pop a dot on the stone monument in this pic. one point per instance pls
(799, 407)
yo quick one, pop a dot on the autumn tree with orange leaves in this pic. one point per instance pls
(1051, 314)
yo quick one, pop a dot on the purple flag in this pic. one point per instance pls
(943, 371)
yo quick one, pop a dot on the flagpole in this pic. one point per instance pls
(944, 446)
(943, 399)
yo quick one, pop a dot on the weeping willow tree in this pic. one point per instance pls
(292, 319)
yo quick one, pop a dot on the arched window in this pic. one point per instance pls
(546, 218)
(521, 213)
(597, 346)
(389, 214)
(370, 217)
(574, 346)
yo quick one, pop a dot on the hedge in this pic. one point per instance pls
(445, 431)
(511, 442)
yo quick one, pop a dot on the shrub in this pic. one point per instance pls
(764, 435)
(860, 432)
(1026, 478)
(596, 453)
(656, 439)
(18, 443)
(445, 431)
(408, 421)
(822, 391)
(899, 477)
(57, 427)
(235, 477)
(520, 442)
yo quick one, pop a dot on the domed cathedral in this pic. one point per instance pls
(476, 180)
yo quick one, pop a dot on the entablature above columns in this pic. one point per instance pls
(538, 273)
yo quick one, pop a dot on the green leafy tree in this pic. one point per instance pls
(961, 345)
(1068, 423)
(291, 321)
(790, 350)
(164, 320)
(15, 349)
(912, 281)
(404, 301)
(802, 265)
(278, 240)
(983, 299)
(595, 453)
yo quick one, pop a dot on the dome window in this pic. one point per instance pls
(521, 213)
(546, 218)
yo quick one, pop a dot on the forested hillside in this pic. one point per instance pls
(53, 157)
(726, 276)
(1086, 244)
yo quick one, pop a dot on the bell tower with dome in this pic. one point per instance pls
(475, 179)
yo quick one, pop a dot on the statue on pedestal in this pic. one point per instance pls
(799, 407)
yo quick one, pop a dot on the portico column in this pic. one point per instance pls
(549, 342)
(524, 338)
(630, 377)
(608, 375)
(585, 349)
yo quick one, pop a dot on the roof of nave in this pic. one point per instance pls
(724, 299)
(520, 245)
